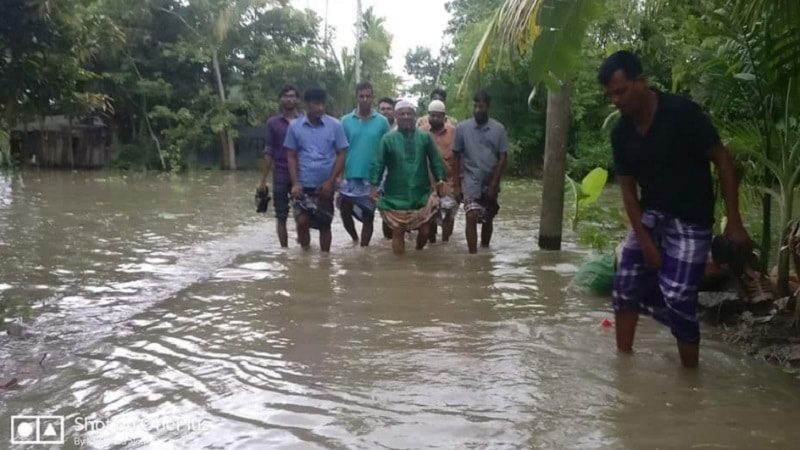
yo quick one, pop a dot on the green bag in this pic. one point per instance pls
(596, 275)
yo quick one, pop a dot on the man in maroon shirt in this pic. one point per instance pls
(275, 155)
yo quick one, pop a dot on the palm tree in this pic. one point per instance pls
(549, 34)
(751, 64)
(764, 37)
(374, 26)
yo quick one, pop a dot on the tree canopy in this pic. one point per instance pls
(172, 77)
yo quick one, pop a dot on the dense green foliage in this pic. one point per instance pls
(172, 77)
(175, 79)
(740, 59)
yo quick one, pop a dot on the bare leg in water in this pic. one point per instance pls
(486, 233)
(422, 234)
(398, 242)
(325, 239)
(689, 353)
(303, 223)
(447, 225)
(366, 230)
(432, 231)
(346, 211)
(387, 230)
(283, 235)
(626, 329)
(472, 231)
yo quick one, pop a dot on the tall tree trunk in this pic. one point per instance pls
(153, 134)
(555, 162)
(27, 145)
(71, 145)
(5, 144)
(114, 148)
(228, 150)
(43, 140)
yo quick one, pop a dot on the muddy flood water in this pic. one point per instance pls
(165, 315)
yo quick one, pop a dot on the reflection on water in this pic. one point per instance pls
(168, 299)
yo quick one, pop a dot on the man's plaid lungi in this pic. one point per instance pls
(670, 293)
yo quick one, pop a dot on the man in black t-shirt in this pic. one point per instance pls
(663, 145)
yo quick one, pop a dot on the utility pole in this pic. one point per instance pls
(440, 60)
(359, 26)
(327, 42)
(555, 163)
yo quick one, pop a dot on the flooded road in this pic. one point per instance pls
(167, 316)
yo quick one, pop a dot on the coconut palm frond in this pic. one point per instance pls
(546, 32)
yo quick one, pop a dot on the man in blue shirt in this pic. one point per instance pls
(364, 128)
(316, 148)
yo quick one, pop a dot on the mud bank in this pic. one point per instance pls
(765, 330)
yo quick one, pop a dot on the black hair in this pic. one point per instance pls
(287, 88)
(386, 100)
(363, 85)
(482, 96)
(442, 93)
(622, 60)
(315, 94)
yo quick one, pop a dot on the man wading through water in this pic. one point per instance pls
(443, 134)
(275, 155)
(481, 147)
(663, 145)
(364, 129)
(316, 148)
(407, 203)
(440, 95)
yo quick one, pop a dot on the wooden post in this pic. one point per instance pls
(42, 138)
(555, 162)
(71, 146)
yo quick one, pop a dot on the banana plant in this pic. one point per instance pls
(586, 193)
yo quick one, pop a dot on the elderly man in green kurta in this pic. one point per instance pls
(409, 200)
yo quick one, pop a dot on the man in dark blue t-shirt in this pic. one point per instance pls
(663, 145)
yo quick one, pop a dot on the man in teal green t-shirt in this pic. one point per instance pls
(364, 129)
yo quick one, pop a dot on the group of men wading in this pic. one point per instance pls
(416, 173)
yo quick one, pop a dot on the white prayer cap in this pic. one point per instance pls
(403, 104)
(436, 106)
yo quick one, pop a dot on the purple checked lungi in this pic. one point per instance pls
(670, 293)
